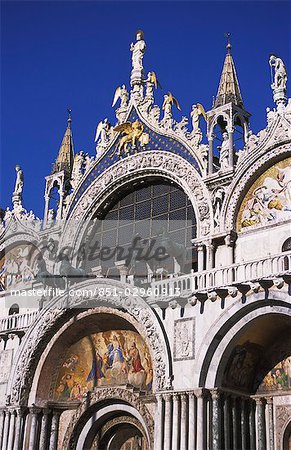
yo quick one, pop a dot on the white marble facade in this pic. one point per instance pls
(179, 359)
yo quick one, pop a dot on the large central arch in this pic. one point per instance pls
(157, 164)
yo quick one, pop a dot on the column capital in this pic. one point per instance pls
(184, 396)
(269, 400)
(259, 400)
(200, 393)
(191, 395)
(167, 397)
(175, 397)
(34, 410)
(230, 239)
(215, 394)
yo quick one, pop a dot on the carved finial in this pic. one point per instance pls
(227, 35)
(69, 117)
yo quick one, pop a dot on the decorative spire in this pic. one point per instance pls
(228, 89)
(65, 158)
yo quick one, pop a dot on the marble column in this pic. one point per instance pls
(159, 423)
(192, 421)
(261, 430)
(43, 439)
(184, 431)
(252, 425)
(210, 155)
(270, 412)
(209, 256)
(200, 420)
(54, 430)
(234, 422)
(2, 418)
(200, 257)
(168, 421)
(11, 430)
(226, 422)
(6, 430)
(18, 428)
(33, 413)
(244, 428)
(229, 243)
(231, 152)
(216, 432)
(176, 422)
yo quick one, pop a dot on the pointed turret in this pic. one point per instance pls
(65, 158)
(228, 89)
(227, 121)
(58, 183)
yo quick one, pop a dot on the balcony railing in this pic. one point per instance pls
(269, 267)
(17, 322)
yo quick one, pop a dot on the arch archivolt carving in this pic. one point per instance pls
(61, 309)
(256, 165)
(212, 348)
(85, 411)
(139, 166)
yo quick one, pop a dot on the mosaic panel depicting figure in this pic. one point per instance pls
(269, 199)
(110, 358)
(17, 266)
(279, 378)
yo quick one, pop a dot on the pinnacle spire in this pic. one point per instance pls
(228, 89)
(65, 157)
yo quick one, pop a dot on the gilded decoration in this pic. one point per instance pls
(110, 358)
(269, 199)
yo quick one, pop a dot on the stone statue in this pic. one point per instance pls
(19, 181)
(224, 152)
(78, 167)
(169, 101)
(197, 111)
(122, 93)
(104, 132)
(218, 198)
(138, 49)
(88, 161)
(280, 75)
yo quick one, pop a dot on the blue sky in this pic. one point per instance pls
(73, 54)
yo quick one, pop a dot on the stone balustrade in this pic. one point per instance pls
(17, 322)
(239, 273)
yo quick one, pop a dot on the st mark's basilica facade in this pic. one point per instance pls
(150, 307)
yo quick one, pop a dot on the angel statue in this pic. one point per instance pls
(280, 75)
(151, 83)
(169, 101)
(122, 93)
(103, 135)
(133, 132)
(196, 113)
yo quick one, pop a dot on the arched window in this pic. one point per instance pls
(14, 309)
(159, 212)
(286, 247)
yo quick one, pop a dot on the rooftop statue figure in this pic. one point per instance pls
(280, 75)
